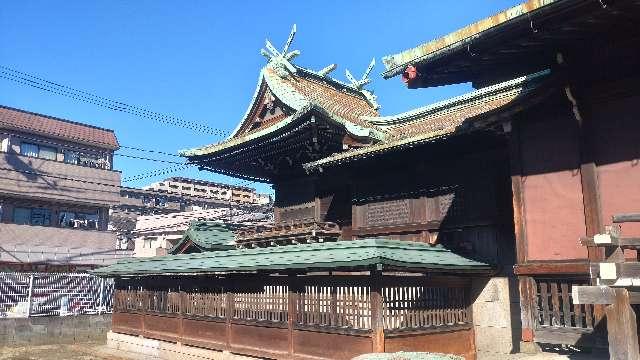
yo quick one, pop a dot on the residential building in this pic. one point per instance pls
(209, 190)
(155, 234)
(57, 184)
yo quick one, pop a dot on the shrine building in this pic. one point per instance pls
(453, 227)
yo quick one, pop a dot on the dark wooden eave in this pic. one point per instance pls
(524, 44)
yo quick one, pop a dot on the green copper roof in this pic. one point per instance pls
(354, 255)
(207, 236)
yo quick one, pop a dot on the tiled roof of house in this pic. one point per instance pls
(357, 254)
(45, 125)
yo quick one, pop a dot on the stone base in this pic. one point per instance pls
(157, 349)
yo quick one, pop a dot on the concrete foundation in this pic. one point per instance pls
(496, 316)
(50, 330)
(165, 350)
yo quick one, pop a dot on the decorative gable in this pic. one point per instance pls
(266, 110)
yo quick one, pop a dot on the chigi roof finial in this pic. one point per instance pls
(359, 84)
(281, 59)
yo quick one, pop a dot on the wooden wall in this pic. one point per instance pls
(551, 184)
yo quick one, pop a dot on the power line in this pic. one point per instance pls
(149, 159)
(87, 97)
(149, 151)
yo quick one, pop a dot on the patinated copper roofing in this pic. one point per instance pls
(50, 126)
(438, 120)
(301, 92)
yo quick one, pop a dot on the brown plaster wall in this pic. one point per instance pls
(617, 152)
(553, 205)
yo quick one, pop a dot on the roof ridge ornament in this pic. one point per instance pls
(364, 80)
(327, 69)
(281, 60)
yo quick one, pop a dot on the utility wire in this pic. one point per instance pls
(84, 96)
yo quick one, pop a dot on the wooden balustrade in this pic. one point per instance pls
(273, 316)
(555, 307)
(414, 307)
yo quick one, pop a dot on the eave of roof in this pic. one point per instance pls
(396, 64)
(398, 124)
(356, 255)
(231, 143)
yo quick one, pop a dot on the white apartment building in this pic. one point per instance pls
(211, 190)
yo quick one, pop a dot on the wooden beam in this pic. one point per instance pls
(603, 295)
(608, 240)
(612, 271)
(622, 218)
(622, 328)
(545, 268)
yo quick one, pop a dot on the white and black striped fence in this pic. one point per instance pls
(54, 294)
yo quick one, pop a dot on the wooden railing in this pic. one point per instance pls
(269, 305)
(342, 306)
(273, 316)
(555, 307)
(345, 307)
(415, 307)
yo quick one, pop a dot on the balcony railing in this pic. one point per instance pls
(33, 177)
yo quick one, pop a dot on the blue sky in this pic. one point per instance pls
(199, 60)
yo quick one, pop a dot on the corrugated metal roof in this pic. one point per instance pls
(357, 254)
(396, 64)
(207, 236)
(45, 125)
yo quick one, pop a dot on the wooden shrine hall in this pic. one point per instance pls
(454, 227)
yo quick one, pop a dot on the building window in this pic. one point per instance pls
(28, 149)
(77, 220)
(47, 152)
(32, 216)
(39, 151)
(71, 157)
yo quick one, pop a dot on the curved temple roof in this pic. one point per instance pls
(302, 91)
(353, 255)
(205, 236)
(439, 120)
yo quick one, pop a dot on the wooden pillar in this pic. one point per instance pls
(622, 328)
(229, 299)
(515, 162)
(527, 287)
(292, 310)
(377, 324)
(526, 284)
(181, 311)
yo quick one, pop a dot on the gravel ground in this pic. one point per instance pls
(99, 351)
(85, 351)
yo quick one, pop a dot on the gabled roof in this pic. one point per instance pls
(50, 126)
(441, 119)
(353, 255)
(205, 236)
(302, 92)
